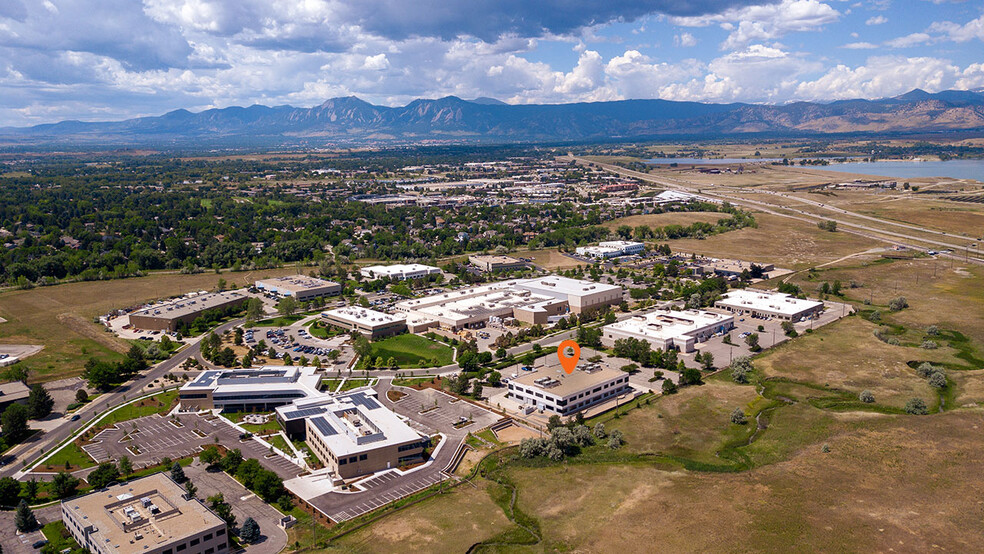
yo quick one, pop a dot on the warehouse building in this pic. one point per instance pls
(249, 390)
(302, 288)
(766, 304)
(581, 296)
(489, 264)
(371, 323)
(665, 329)
(611, 249)
(150, 515)
(167, 316)
(399, 272)
(565, 394)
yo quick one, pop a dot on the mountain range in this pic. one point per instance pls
(351, 120)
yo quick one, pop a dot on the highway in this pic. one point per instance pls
(880, 234)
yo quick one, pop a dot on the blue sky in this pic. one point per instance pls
(113, 59)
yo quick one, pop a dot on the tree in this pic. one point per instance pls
(222, 509)
(707, 361)
(250, 531)
(738, 417)
(752, 340)
(126, 467)
(24, 518)
(231, 461)
(740, 368)
(39, 402)
(81, 395)
(268, 485)
(494, 378)
(866, 396)
(916, 406)
(938, 380)
(615, 440)
(190, 489)
(361, 345)
(477, 389)
(554, 422)
(583, 435)
(64, 485)
(177, 473)
(690, 376)
(599, 430)
(103, 476)
(254, 309)
(287, 306)
(669, 387)
(210, 455)
(500, 353)
(897, 304)
(10, 490)
(14, 422)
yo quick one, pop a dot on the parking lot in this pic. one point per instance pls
(389, 487)
(149, 439)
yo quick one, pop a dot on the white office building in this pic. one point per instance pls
(611, 249)
(399, 272)
(665, 329)
(766, 304)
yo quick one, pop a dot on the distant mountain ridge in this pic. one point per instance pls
(352, 120)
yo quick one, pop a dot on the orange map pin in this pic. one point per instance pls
(569, 362)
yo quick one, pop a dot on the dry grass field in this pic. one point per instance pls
(61, 317)
(549, 259)
(671, 218)
(786, 243)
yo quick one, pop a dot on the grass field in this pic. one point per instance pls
(159, 404)
(549, 259)
(670, 218)
(61, 317)
(786, 243)
(237, 417)
(281, 321)
(349, 384)
(412, 351)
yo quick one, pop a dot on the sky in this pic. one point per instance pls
(95, 60)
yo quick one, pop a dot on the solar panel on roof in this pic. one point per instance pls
(367, 401)
(306, 412)
(322, 425)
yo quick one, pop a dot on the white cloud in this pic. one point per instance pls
(766, 22)
(960, 33)
(876, 20)
(376, 63)
(881, 77)
(860, 46)
(908, 41)
(684, 40)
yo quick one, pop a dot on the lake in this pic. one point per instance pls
(710, 161)
(955, 169)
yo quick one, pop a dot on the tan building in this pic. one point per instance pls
(149, 515)
(371, 323)
(14, 391)
(167, 316)
(581, 295)
(301, 287)
(354, 435)
(565, 394)
(667, 329)
(496, 263)
(768, 304)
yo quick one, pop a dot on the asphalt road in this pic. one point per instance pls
(30, 450)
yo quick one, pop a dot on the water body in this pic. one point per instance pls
(955, 169)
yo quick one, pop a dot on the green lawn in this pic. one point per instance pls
(412, 351)
(351, 383)
(278, 442)
(73, 455)
(158, 404)
(237, 417)
(58, 537)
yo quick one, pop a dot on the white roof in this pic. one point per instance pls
(767, 301)
(620, 244)
(664, 324)
(555, 285)
(254, 380)
(364, 316)
(397, 269)
(357, 422)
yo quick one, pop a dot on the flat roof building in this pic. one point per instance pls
(302, 288)
(611, 249)
(666, 329)
(14, 391)
(581, 295)
(496, 263)
(399, 272)
(169, 315)
(765, 304)
(354, 434)
(370, 323)
(565, 394)
(149, 515)
(247, 390)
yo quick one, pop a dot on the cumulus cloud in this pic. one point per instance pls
(860, 46)
(908, 41)
(765, 22)
(684, 40)
(876, 20)
(960, 33)
(881, 77)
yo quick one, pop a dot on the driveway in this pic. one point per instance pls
(15, 543)
(244, 504)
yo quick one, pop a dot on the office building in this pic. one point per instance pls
(14, 391)
(565, 394)
(766, 304)
(489, 264)
(582, 296)
(169, 315)
(666, 329)
(249, 390)
(302, 288)
(399, 272)
(149, 515)
(611, 249)
(371, 323)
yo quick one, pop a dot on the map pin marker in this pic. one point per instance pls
(569, 362)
